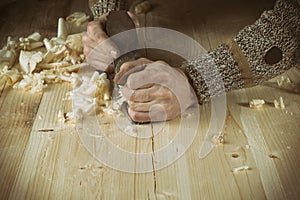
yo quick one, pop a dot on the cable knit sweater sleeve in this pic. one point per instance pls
(258, 53)
(100, 7)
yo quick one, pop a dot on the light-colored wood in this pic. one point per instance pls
(40, 158)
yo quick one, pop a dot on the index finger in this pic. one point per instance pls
(128, 68)
(139, 80)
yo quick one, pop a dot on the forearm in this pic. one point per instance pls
(258, 53)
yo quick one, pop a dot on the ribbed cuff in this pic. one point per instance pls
(213, 74)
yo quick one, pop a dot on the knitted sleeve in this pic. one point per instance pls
(258, 53)
(100, 7)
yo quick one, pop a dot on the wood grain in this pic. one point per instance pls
(18, 111)
(40, 158)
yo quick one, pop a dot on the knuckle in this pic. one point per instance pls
(159, 92)
(86, 51)
(161, 62)
(148, 96)
(169, 93)
(90, 24)
(135, 106)
(85, 38)
(143, 60)
(100, 37)
(126, 65)
(133, 115)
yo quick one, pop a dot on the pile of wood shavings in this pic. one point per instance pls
(31, 63)
(91, 93)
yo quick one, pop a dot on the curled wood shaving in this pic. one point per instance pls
(281, 103)
(58, 58)
(44, 61)
(92, 93)
(256, 103)
(28, 60)
(74, 42)
(276, 104)
(8, 76)
(32, 82)
(284, 81)
(77, 18)
(74, 23)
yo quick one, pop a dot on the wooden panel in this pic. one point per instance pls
(18, 111)
(41, 158)
(272, 132)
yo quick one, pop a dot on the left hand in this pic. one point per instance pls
(155, 92)
(99, 50)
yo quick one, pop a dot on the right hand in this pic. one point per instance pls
(155, 91)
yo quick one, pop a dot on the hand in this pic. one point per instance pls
(99, 50)
(154, 90)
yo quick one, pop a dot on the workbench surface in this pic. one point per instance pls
(40, 158)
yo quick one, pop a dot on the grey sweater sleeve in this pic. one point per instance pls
(258, 53)
(101, 7)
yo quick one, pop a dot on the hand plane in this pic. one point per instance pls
(127, 43)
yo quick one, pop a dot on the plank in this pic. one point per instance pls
(272, 132)
(18, 111)
(44, 159)
(62, 166)
(198, 180)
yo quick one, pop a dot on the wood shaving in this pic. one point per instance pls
(61, 117)
(74, 42)
(32, 82)
(284, 81)
(242, 168)
(62, 31)
(77, 18)
(10, 76)
(57, 59)
(281, 103)
(36, 36)
(31, 42)
(256, 103)
(92, 93)
(220, 139)
(276, 104)
(28, 60)
(7, 58)
(31, 63)
(74, 23)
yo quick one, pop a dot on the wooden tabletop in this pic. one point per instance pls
(40, 158)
